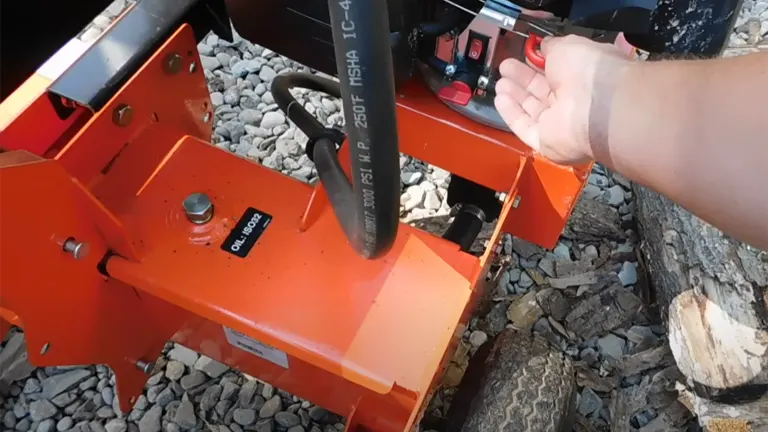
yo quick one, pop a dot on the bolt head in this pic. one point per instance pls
(123, 115)
(198, 208)
(450, 70)
(172, 64)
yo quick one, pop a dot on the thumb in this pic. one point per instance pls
(548, 43)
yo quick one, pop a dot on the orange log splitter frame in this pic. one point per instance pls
(302, 310)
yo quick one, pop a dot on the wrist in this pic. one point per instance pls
(608, 82)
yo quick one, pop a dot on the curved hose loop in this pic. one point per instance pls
(368, 207)
(280, 88)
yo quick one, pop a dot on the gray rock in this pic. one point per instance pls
(236, 131)
(9, 420)
(265, 425)
(525, 280)
(615, 195)
(211, 367)
(48, 425)
(304, 416)
(318, 414)
(57, 384)
(591, 192)
(514, 274)
(598, 180)
(267, 74)
(260, 89)
(185, 415)
(432, 200)
(642, 335)
(42, 409)
(477, 338)
(64, 424)
(250, 116)
(103, 383)
(590, 402)
(240, 68)
(244, 416)
(141, 403)
(268, 391)
(105, 412)
(611, 346)
(247, 393)
(116, 425)
(209, 63)
(20, 409)
(232, 95)
(272, 119)
(287, 147)
(23, 425)
(547, 264)
(224, 58)
(72, 408)
(222, 407)
(165, 397)
(297, 428)
(267, 98)
(589, 355)
(286, 419)
(153, 392)
(32, 386)
(255, 65)
(158, 377)
(628, 274)
(184, 354)
(271, 407)
(96, 426)
(174, 370)
(410, 177)
(135, 415)
(88, 384)
(229, 391)
(562, 252)
(151, 420)
(210, 397)
(205, 49)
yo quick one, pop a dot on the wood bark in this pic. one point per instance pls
(711, 292)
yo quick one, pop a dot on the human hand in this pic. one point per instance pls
(562, 112)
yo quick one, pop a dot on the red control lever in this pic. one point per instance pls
(457, 92)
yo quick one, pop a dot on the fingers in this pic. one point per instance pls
(623, 44)
(527, 78)
(519, 122)
(530, 103)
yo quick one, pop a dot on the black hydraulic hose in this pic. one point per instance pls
(280, 88)
(368, 209)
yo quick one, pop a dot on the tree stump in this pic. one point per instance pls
(711, 292)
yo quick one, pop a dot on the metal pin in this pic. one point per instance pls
(145, 366)
(79, 250)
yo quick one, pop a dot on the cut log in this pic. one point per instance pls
(711, 292)
(603, 312)
(593, 220)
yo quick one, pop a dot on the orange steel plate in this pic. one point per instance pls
(305, 293)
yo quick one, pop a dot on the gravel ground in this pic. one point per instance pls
(626, 354)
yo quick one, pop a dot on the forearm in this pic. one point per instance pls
(697, 132)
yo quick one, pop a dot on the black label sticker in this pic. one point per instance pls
(247, 232)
